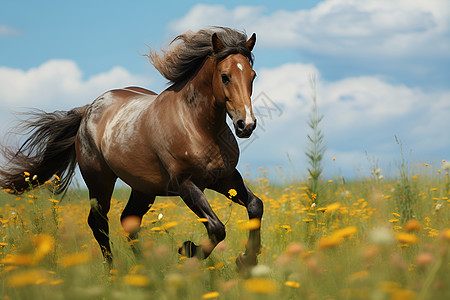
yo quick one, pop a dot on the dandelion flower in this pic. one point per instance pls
(252, 224)
(137, 280)
(210, 295)
(24, 278)
(332, 207)
(75, 259)
(406, 238)
(232, 193)
(45, 245)
(292, 284)
(261, 285)
(346, 232)
(412, 225)
(330, 241)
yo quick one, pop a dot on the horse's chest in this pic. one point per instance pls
(218, 162)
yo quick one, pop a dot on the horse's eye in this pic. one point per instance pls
(225, 79)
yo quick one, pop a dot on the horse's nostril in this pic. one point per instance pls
(241, 124)
(254, 125)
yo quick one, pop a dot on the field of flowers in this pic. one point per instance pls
(369, 238)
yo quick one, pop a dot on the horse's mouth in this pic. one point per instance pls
(243, 133)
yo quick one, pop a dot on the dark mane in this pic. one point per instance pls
(187, 52)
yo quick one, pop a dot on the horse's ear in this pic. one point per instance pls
(217, 43)
(251, 42)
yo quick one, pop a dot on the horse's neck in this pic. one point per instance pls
(198, 96)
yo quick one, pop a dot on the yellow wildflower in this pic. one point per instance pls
(18, 259)
(346, 232)
(330, 241)
(137, 280)
(261, 285)
(210, 295)
(75, 259)
(292, 284)
(45, 244)
(412, 225)
(252, 224)
(332, 207)
(24, 278)
(406, 238)
(232, 193)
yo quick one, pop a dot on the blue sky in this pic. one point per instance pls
(383, 69)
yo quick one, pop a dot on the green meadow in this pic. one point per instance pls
(369, 238)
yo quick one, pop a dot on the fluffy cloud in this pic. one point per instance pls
(58, 84)
(362, 114)
(344, 27)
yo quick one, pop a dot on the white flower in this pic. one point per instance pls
(446, 165)
(381, 236)
(160, 216)
(260, 271)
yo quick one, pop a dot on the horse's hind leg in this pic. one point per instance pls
(131, 218)
(198, 203)
(100, 181)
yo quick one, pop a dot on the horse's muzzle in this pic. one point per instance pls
(244, 130)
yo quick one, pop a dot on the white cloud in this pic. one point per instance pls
(361, 114)
(344, 27)
(58, 84)
(6, 30)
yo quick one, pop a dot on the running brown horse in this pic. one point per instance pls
(176, 143)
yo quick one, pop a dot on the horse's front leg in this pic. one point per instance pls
(196, 200)
(234, 187)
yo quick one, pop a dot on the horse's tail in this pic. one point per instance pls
(49, 150)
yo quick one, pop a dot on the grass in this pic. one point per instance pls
(350, 246)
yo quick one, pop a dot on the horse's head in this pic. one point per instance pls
(232, 85)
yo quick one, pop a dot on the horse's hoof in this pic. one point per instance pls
(189, 249)
(244, 262)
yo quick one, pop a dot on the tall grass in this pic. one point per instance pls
(315, 148)
(360, 249)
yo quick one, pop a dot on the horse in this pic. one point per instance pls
(176, 143)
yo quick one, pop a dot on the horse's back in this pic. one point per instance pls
(113, 116)
(141, 90)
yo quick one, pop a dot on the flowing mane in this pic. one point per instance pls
(188, 51)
